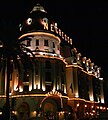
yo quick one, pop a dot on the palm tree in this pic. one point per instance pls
(10, 53)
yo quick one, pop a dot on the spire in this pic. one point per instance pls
(38, 7)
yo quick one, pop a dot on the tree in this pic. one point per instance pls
(9, 53)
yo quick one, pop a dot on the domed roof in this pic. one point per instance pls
(38, 7)
(37, 20)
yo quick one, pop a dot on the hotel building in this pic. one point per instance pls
(58, 83)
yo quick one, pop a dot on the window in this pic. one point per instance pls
(26, 76)
(48, 76)
(53, 45)
(48, 88)
(47, 64)
(36, 71)
(37, 67)
(62, 87)
(26, 88)
(28, 43)
(62, 78)
(36, 86)
(45, 42)
(37, 42)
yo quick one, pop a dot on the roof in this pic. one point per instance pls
(38, 7)
(35, 21)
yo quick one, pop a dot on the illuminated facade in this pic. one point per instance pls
(59, 83)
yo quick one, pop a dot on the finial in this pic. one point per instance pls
(38, 7)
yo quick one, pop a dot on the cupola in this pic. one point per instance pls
(37, 20)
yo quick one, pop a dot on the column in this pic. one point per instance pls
(69, 81)
(42, 74)
(53, 75)
(34, 82)
(2, 81)
(75, 81)
(30, 78)
(101, 91)
(90, 88)
(15, 80)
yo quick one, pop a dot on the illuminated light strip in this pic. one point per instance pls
(40, 33)
(2, 96)
(59, 96)
(74, 66)
(88, 73)
(53, 57)
(46, 95)
(81, 69)
(82, 100)
(30, 95)
(48, 54)
(65, 97)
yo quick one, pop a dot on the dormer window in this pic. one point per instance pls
(45, 42)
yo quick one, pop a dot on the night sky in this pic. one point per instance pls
(86, 23)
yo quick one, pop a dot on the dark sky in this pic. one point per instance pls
(85, 22)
